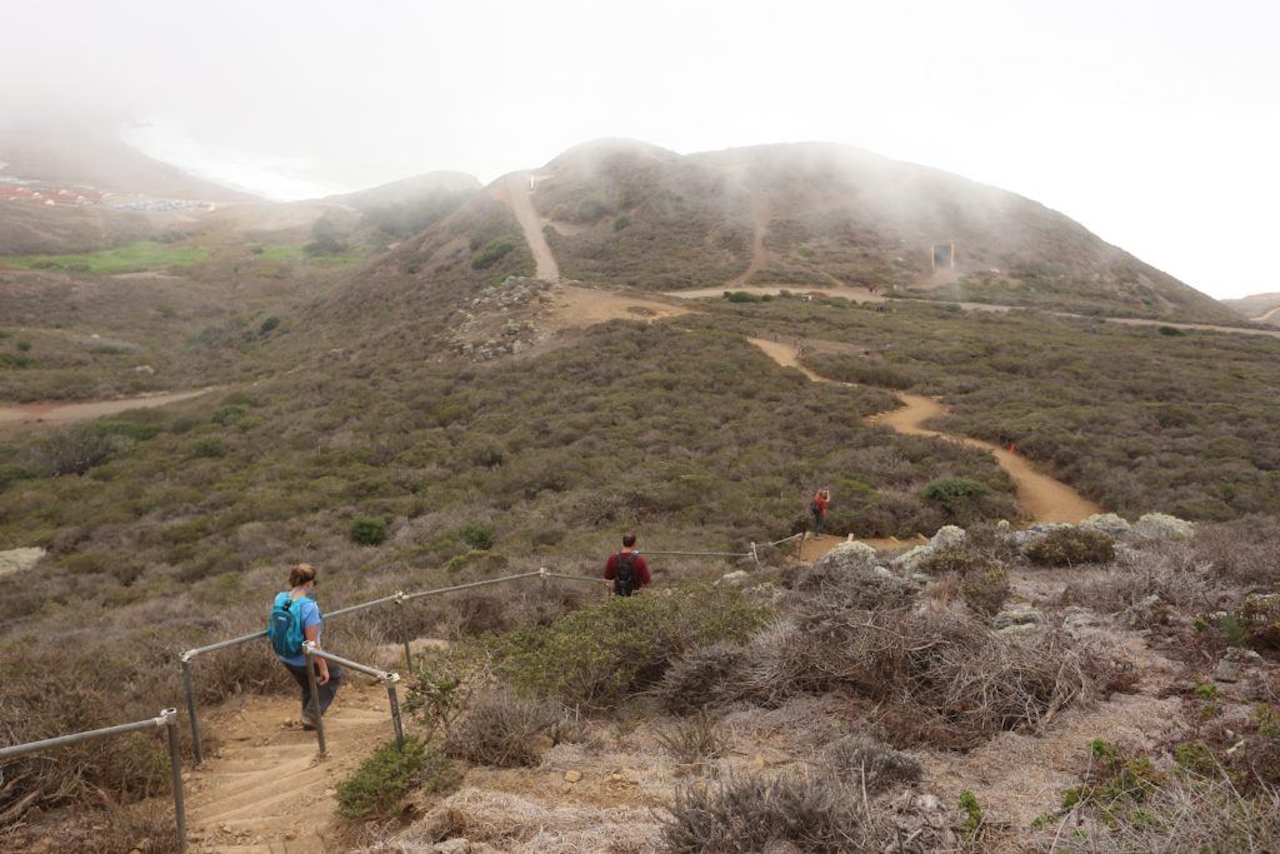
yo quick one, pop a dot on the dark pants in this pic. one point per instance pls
(818, 520)
(325, 692)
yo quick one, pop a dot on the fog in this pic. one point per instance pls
(1152, 123)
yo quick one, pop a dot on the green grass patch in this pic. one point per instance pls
(132, 257)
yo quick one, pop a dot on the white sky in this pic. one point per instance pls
(1155, 124)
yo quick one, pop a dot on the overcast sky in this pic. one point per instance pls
(1155, 124)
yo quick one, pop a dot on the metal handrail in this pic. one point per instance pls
(168, 718)
(310, 650)
(400, 598)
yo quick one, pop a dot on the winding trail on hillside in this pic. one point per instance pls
(760, 216)
(1040, 497)
(513, 190)
(65, 412)
(265, 790)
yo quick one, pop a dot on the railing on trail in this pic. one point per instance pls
(399, 598)
(168, 718)
(388, 679)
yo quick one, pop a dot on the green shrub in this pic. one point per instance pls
(369, 530)
(77, 450)
(377, 787)
(225, 415)
(951, 490)
(269, 324)
(476, 535)
(1071, 546)
(953, 559)
(14, 473)
(493, 253)
(598, 656)
(984, 591)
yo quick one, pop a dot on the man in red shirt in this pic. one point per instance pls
(627, 569)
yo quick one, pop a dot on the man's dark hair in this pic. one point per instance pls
(628, 540)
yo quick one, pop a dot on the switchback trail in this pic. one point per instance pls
(514, 191)
(265, 790)
(63, 411)
(1041, 497)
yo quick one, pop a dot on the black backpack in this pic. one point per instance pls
(624, 574)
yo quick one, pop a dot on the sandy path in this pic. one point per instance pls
(513, 190)
(760, 215)
(266, 789)
(62, 413)
(1041, 498)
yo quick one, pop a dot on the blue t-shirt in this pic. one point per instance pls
(309, 613)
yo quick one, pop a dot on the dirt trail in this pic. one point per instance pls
(514, 192)
(62, 412)
(1041, 497)
(760, 214)
(265, 790)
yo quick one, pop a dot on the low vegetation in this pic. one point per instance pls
(130, 258)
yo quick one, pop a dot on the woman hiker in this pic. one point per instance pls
(295, 617)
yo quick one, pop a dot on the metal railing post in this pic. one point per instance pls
(189, 690)
(395, 709)
(755, 555)
(542, 573)
(308, 649)
(404, 631)
(175, 774)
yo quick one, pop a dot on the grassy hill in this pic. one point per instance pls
(1260, 307)
(629, 214)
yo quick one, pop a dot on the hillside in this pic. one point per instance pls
(1260, 308)
(71, 153)
(628, 214)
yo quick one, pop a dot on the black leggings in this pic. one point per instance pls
(326, 692)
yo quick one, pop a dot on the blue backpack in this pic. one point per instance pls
(285, 626)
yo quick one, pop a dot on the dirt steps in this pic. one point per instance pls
(265, 789)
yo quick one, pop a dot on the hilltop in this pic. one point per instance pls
(1260, 308)
(824, 215)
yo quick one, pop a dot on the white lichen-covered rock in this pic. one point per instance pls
(1019, 629)
(1017, 615)
(910, 560)
(733, 579)
(1162, 526)
(847, 556)
(949, 535)
(1110, 524)
(16, 560)
(1024, 538)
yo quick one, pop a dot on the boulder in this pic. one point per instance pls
(1161, 526)
(1231, 667)
(846, 557)
(1017, 615)
(1110, 524)
(949, 535)
(1024, 538)
(910, 560)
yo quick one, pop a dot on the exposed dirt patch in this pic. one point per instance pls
(573, 307)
